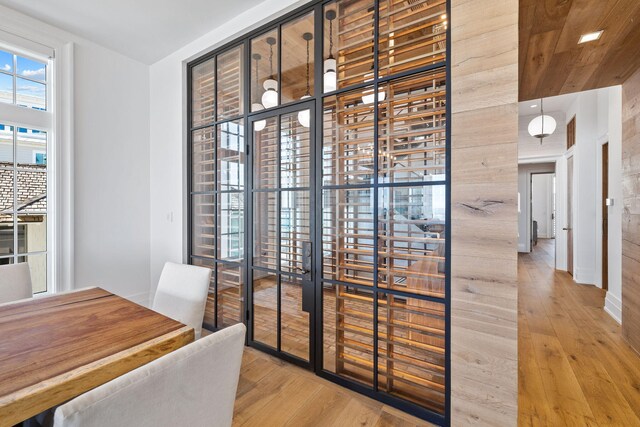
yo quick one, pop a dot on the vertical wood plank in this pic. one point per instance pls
(484, 80)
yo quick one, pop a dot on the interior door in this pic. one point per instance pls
(281, 208)
(605, 216)
(569, 227)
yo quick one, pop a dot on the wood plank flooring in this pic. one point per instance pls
(574, 366)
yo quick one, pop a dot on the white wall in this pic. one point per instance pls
(168, 227)
(542, 197)
(108, 163)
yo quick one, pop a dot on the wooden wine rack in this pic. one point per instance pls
(230, 84)
(203, 93)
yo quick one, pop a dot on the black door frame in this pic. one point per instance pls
(309, 286)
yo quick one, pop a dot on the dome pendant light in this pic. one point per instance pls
(330, 77)
(270, 96)
(542, 126)
(256, 106)
(304, 116)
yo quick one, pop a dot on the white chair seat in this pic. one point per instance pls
(192, 386)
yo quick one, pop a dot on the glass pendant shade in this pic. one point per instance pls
(260, 124)
(330, 77)
(542, 126)
(304, 116)
(270, 96)
(368, 97)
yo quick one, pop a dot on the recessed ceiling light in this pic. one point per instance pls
(589, 37)
(533, 105)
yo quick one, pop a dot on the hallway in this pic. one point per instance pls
(574, 366)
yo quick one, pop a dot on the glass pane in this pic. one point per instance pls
(231, 226)
(6, 189)
(348, 332)
(210, 307)
(31, 94)
(38, 269)
(411, 350)
(265, 142)
(295, 150)
(34, 228)
(265, 229)
(6, 61)
(230, 83)
(31, 148)
(32, 190)
(231, 156)
(351, 25)
(6, 236)
(6, 88)
(203, 94)
(30, 69)
(203, 219)
(6, 147)
(265, 308)
(297, 62)
(411, 239)
(264, 71)
(295, 229)
(411, 35)
(230, 294)
(295, 322)
(347, 151)
(203, 141)
(412, 129)
(347, 218)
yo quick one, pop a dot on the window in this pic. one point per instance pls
(25, 140)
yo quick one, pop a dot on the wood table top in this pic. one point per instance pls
(55, 348)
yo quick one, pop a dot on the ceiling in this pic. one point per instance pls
(146, 30)
(559, 103)
(552, 62)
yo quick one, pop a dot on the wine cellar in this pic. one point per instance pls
(319, 194)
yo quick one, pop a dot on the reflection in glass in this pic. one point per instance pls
(347, 149)
(265, 229)
(295, 221)
(203, 94)
(230, 74)
(295, 152)
(412, 129)
(203, 159)
(203, 220)
(265, 308)
(297, 59)
(231, 226)
(230, 294)
(411, 239)
(265, 142)
(411, 350)
(347, 235)
(348, 332)
(231, 156)
(264, 71)
(210, 307)
(294, 334)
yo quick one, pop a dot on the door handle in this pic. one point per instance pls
(567, 229)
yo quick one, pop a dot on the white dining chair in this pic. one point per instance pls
(192, 386)
(182, 294)
(15, 282)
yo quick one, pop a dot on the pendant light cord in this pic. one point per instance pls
(308, 93)
(331, 38)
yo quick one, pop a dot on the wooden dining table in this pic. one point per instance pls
(55, 348)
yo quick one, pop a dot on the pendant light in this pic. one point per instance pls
(542, 126)
(304, 116)
(330, 77)
(368, 95)
(270, 96)
(256, 106)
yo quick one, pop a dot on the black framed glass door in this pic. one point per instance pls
(281, 210)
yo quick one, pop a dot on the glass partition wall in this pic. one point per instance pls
(319, 194)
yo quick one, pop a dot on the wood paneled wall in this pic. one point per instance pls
(631, 210)
(484, 86)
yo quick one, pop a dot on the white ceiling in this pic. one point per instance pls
(146, 30)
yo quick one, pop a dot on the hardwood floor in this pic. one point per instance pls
(574, 366)
(275, 393)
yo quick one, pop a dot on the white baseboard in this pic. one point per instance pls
(522, 247)
(612, 305)
(584, 276)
